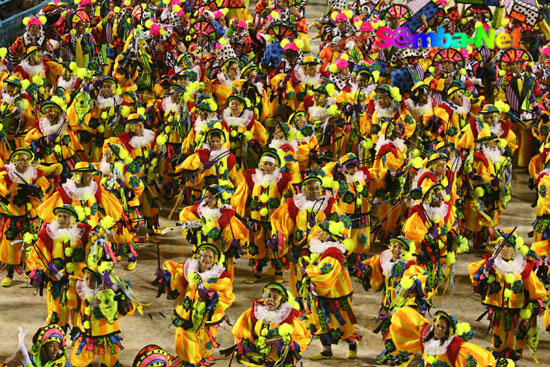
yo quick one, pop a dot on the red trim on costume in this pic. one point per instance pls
(482, 158)
(46, 239)
(453, 348)
(64, 196)
(204, 154)
(283, 182)
(334, 253)
(226, 216)
(426, 175)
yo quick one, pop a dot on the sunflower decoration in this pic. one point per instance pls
(512, 55)
(447, 54)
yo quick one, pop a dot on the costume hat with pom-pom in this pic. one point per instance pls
(80, 16)
(418, 89)
(448, 54)
(14, 81)
(311, 60)
(286, 296)
(21, 151)
(81, 167)
(392, 92)
(514, 55)
(429, 191)
(397, 11)
(30, 51)
(403, 241)
(434, 157)
(207, 246)
(39, 21)
(489, 108)
(55, 102)
(48, 334)
(66, 208)
(272, 156)
(245, 102)
(208, 105)
(454, 90)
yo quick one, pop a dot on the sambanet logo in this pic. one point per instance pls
(402, 38)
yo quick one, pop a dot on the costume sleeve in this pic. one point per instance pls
(259, 133)
(376, 275)
(240, 198)
(45, 210)
(535, 287)
(191, 163)
(35, 260)
(224, 288)
(110, 204)
(406, 330)
(473, 355)
(187, 215)
(243, 328)
(281, 221)
(324, 275)
(473, 268)
(178, 282)
(235, 230)
(414, 229)
(301, 334)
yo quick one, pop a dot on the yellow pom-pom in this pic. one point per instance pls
(348, 13)
(417, 162)
(463, 20)
(286, 329)
(299, 43)
(248, 135)
(194, 278)
(382, 23)
(149, 23)
(507, 293)
(463, 71)
(88, 311)
(335, 186)
(407, 282)
(479, 192)
(368, 143)
(3, 53)
(502, 72)
(502, 143)
(68, 251)
(345, 57)
(524, 250)
(26, 20)
(264, 198)
(161, 140)
(43, 19)
(349, 244)
(176, 8)
(264, 212)
(431, 69)
(525, 313)
(333, 68)
(87, 325)
(327, 181)
(104, 115)
(330, 89)
(333, 110)
(57, 149)
(275, 14)
(28, 238)
(463, 328)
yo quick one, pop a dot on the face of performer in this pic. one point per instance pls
(210, 200)
(80, 27)
(440, 168)
(215, 142)
(278, 134)
(202, 114)
(221, 21)
(139, 129)
(52, 114)
(437, 199)
(507, 252)
(50, 351)
(489, 118)
(235, 106)
(63, 219)
(313, 190)
(341, 24)
(206, 260)
(89, 279)
(516, 67)
(448, 66)
(34, 30)
(384, 101)
(268, 167)
(272, 300)
(301, 121)
(107, 90)
(283, 4)
(10, 89)
(35, 58)
(23, 163)
(351, 167)
(345, 71)
(363, 80)
(108, 156)
(440, 329)
(393, 22)
(396, 251)
(86, 179)
(201, 39)
(310, 70)
(233, 71)
(423, 99)
(457, 98)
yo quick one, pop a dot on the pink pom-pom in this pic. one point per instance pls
(341, 16)
(291, 46)
(546, 51)
(155, 30)
(85, 2)
(341, 63)
(34, 21)
(366, 27)
(242, 24)
(218, 14)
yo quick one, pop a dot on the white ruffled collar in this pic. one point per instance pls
(216, 153)
(464, 109)
(224, 80)
(192, 265)
(32, 70)
(386, 262)
(277, 143)
(433, 346)
(67, 85)
(420, 110)
(209, 213)
(104, 166)
(79, 193)
(514, 267)
(275, 317)
(199, 123)
(384, 112)
(10, 100)
(169, 106)
(304, 204)
(358, 176)
(260, 178)
(240, 121)
(320, 113)
(46, 127)
(142, 141)
(29, 175)
(382, 140)
(497, 129)
(85, 292)
(104, 103)
(73, 233)
(317, 246)
(436, 215)
(493, 155)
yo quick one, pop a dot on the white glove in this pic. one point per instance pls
(526, 116)
(22, 348)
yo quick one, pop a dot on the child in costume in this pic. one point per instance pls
(270, 332)
(48, 349)
(204, 291)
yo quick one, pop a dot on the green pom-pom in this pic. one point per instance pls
(479, 192)
(68, 251)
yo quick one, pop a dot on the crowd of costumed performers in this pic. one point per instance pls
(272, 153)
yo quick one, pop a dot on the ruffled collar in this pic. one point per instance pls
(319, 247)
(420, 110)
(275, 317)
(73, 233)
(58, 129)
(79, 193)
(142, 141)
(85, 292)
(169, 106)
(277, 143)
(436, 215)
(260, 178)
(104, 166)
(241, 121)
(464, 109)
(496, 129)
(10, 100)
(31, 40)
(382, 140)
(199, 123)
(305, 78)
(384, 112)
(358, 176)
(193, 266)
(216, 153)
(513, 267)
(209, 213)
(104, 103)
(368, 90)
(224, 80)
(494, 155)
(304, 204)
(67, 85)
(433, 347)
(29, 175)
(32, 70)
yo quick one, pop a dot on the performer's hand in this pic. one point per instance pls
(36, 280)
(490, 264)
(160, 273)
(51, 137)
(272, 243)
(207, 164)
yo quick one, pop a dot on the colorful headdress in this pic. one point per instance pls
(245, 102)
(208, 246)
(419, 88)
(56, 102)
(341, 63)
(66, 208)
(448, 54)
(152, 356)
(452, 322)
(84, 167)
(311, 60)
(80, 16)
(13, 80)
(208, 105)
(286, 296)
(484, 10)
(489, 108)
(16, 153)
(403, 241)
(429, 191)
(435, 157)
(397, 11)
(271, 156)
(392, 92)
(49, 333)
(514, 55)
(39, 21)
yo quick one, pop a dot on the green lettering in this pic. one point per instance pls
(483, 37)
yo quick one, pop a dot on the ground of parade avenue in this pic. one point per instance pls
(19, 307)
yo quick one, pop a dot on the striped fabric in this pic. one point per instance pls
(416, 5)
